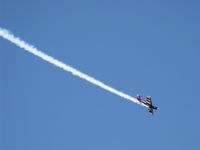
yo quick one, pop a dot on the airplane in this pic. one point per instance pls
(148, 103)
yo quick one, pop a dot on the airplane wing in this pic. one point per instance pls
(149, 100)
(151, 110)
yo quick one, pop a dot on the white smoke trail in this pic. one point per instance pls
(22, 44)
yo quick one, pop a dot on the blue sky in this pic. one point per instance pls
(141, 46)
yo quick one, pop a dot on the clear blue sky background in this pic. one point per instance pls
(136, 46)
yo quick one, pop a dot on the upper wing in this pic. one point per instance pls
(149, 100)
